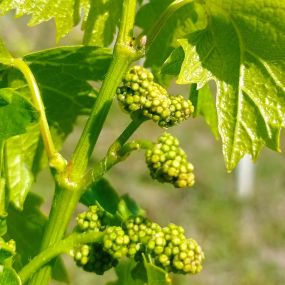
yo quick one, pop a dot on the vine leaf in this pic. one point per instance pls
(156, 275)
(8, 276)
(100, 17)
(187, 19)
(204, 105)
(26, 227)
(16, 113)
(65, 12)
(124, 272)
(4, 53)
(19, 160)
(242, 49)
(63, 75)
(101, 23)
(103, 193)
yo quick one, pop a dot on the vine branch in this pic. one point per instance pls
(124, 55)
(63, 246)
(117, 152)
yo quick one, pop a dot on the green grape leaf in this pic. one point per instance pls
(63, 75)
(4, 53)
(17, 111)
(8, 276)
(187, 19)
(156, 275)
(26, 227)
(3, 201)
(128, 207)
(101, 22)
(20, 152)
(6, 251)
(124, 271)
(103, 193)
(204, 105)
(63, 11)
(59, 271)
(242, 49)
(3, 226)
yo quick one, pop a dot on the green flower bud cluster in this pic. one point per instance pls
(139, 230)
(175, 253)
(93, 258)
(91, 220)
(167, 247)
(140, 94)
(116, 242)
(167, 162)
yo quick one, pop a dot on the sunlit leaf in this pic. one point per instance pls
(16, 113)
(102, 22)
(8, 276)
(242, 49)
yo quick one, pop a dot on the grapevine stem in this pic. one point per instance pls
(124, 55)
(38, 103)
(63, 246)
(69, 190)
(113, 156)
(63, 205)
(162, 20)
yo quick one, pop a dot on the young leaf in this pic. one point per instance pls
(103, 193)
(242, 49)
(20, 153)
(204, 105)
(17, 111)
(156, 275)
(8, 276)
(124, 272)
(101, 22)
(128, 207)
(4, 53)
(63, 11)
(187, 19)
(63, 75)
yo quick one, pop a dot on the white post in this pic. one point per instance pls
(245, 177)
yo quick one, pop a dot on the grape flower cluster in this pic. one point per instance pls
(167, 162)
(166, 247)
(139, 94)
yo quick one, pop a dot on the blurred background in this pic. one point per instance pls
(243, 236)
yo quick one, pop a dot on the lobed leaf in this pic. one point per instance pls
(103, 193)
(16, 113)
(187, 19)
(102, 21)
(242, 49)
(8, 276)
(63, 75)
(100, 17)
(20, 152)
(156, 275)
(124, 273)
(204, 105)
(4, 53)
(63, 11)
